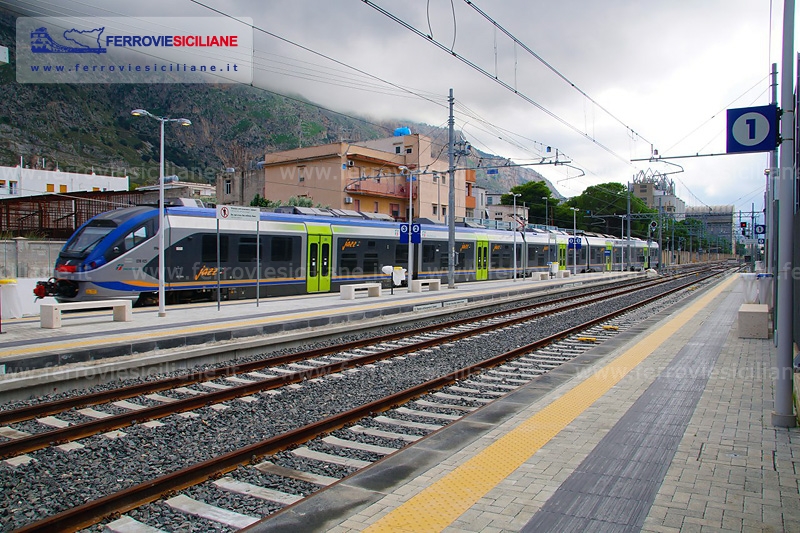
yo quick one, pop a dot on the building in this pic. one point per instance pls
(717, 223)
(658, 192)
(370, 177)
(16, 182)
(180, 189)
(500, 215)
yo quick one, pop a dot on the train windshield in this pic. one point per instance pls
(87, 238)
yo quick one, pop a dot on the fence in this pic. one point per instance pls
(24, 258)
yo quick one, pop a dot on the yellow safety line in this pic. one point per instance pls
(438, 505)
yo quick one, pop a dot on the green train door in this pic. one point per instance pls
(609, 256)
(562, 256)
(318, 260)
(482, 260)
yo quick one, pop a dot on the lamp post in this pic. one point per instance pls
(404, 172)
(574, 242)
(183, 122)
(514, 228)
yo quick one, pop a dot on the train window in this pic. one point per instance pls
(281, 249)
(136, 237)
(371, 264)
(87, 238)
(209, 248)
(313, 256)
(401, 254)
(326, 252)
(247, 250)
(429, 253)
(348, 263)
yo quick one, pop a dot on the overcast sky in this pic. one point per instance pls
(644, 73)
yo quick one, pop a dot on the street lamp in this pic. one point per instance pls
(410, 178)
(183, 122)
(514, 227)
(574, 243)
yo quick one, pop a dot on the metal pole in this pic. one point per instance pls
(574, 243)
(451, 200)
(629, 226)
(162, 311)
(410, 179)
(770, 196)
(783, 415)
(660, 241)
(258, 258)
(514, 229)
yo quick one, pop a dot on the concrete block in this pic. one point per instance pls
(754, 321)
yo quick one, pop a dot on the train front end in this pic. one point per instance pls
(103, 260)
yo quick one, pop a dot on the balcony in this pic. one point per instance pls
(386, 188)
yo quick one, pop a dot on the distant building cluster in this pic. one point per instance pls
(378, 176)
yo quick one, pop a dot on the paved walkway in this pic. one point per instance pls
(727, 469)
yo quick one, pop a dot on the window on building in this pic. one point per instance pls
(444, 211)
(357, 204)
(13, 187)
(2, 183)
(228, 186)
(408, 150)
(95, 189)
(62, 188)
(397, 149)
(394, 209)
(435, 209)
(375, 208)
(51, 187)
(489, 200)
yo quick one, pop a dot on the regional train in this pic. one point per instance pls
(115, 254)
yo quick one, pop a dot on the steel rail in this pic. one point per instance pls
(93, 512)
(38, 441)
(121, 393)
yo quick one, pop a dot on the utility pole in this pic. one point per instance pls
(629, 227)
(660, 242)
(451, 199)
(769, 200)
(783, 415)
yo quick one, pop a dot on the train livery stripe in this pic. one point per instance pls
(443, 501)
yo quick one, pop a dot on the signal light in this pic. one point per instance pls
(742, 224)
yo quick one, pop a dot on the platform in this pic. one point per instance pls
(663, 429)
(93, 337)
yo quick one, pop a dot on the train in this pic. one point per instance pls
(114, 255)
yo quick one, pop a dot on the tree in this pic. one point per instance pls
(531, 194)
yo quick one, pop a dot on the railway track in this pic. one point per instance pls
(475, 385)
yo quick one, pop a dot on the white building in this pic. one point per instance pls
(17, 182)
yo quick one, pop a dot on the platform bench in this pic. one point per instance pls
(432, 284)
(51, 313)
(348, 292)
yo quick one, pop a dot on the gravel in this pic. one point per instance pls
(56, 480)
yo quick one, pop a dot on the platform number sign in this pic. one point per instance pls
(416, 233)
(759, 229)
(574, 243)
(752, 129)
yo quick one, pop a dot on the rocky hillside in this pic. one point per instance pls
(82, 127)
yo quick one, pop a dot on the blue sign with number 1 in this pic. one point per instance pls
(752, 129)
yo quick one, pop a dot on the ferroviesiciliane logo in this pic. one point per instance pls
(83, 42)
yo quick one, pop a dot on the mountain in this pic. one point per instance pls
(89, 127)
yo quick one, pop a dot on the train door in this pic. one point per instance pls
(482, 259)
(562, 256)
(318, 259)
(646, 258)
(608, 256)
